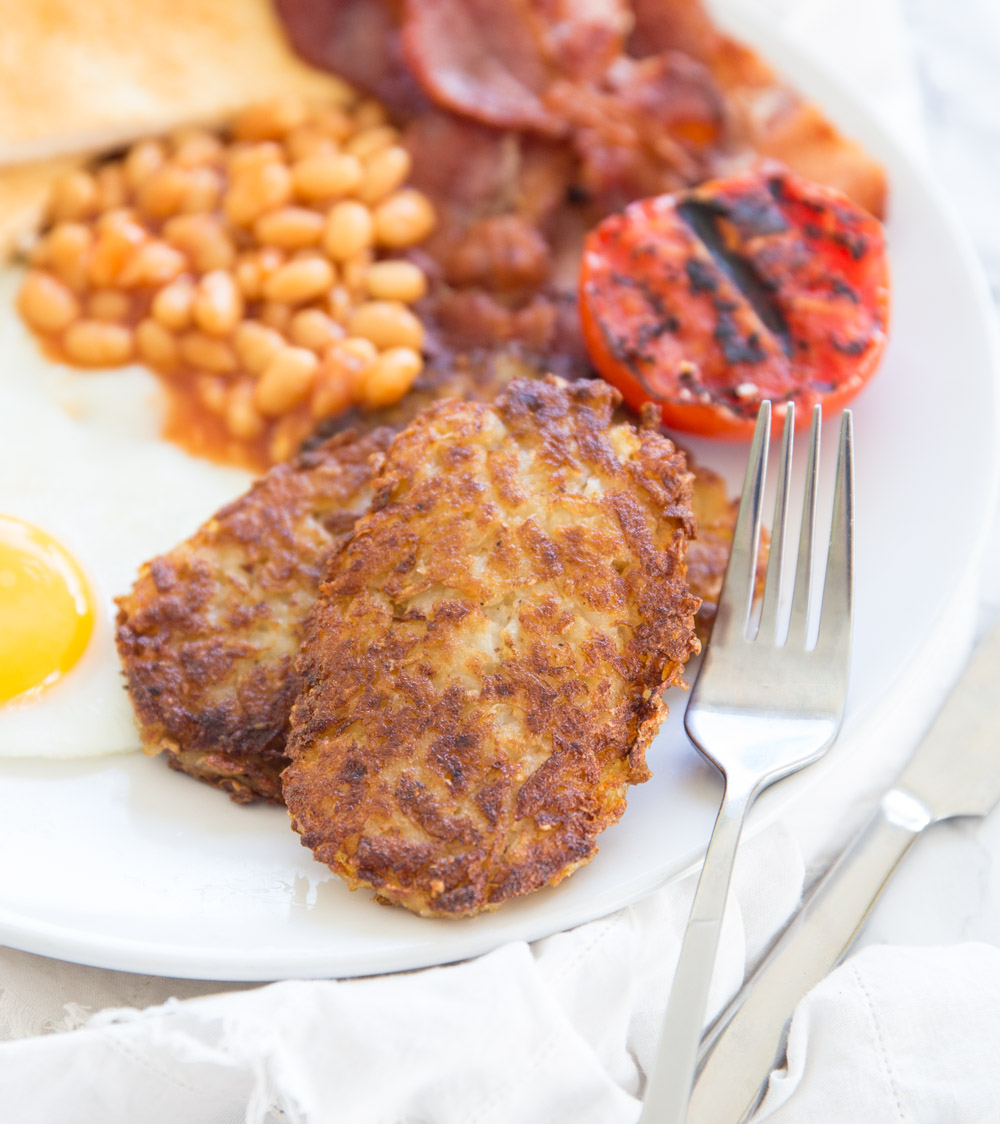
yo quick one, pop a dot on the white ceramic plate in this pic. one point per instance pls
(120, 863)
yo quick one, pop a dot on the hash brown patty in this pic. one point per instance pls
(482, 672)
(209, 633)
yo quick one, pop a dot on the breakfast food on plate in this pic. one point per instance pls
(439, 626)
(209, 633)
(258, 272)
(647, 95)
(46, 610)
(757, 286)
(115, 70)
(482, 670)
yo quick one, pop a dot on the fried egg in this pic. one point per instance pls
(88, 491)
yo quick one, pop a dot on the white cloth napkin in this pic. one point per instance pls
(563, 1029)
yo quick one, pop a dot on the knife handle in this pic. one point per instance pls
(742, 1046)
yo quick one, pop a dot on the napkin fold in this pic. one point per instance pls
(895, 1034)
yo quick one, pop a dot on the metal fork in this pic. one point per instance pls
(764, 705)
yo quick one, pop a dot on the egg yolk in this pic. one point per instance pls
(46, 610)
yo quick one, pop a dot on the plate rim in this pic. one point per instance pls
(817, 81)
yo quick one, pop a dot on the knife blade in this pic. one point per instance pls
(954, 771)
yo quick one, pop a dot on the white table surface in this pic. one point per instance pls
(948, 888)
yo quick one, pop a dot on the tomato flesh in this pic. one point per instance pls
(758, 286)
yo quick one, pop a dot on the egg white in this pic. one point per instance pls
(81, 458)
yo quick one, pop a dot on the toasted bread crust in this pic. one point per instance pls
(482, 671)
(209, 633)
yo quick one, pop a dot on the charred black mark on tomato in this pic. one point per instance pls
(702, 218)
(665, 319)
(778, 188)
(840, 288)
(735, 347)
(855, 244)
(752, 210)
(622, 351)
(700, 277)
(850, 347)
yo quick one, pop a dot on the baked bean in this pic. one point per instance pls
(248, 277)
(334, 121)
(390, 377)
(386, 324)
(118, 238)
(291, 228)
(203, 191)
(385, 171)
(396, 281)
(162, 192)
(194, 147)
(92, 343)
(240, 157)
(218, 303)
(276, 314)
(46, 303)
(254, 190)
(299, 281)
(207, 352)
(74, 196)
(153, 263)
(203, 239)
(270, 120)
(312, 328)
(173, 304)
(326, 175)
(112, 190)
(354, 271)
(331, 394)
(403, 219)
(111, 305)
(286, 381)
(142, 160)
(307, 140)
(256, 345)
(211, 392)
(67, 251)
(156, 345)
(241, 416)
(349, 230)
(339, 303)
(365, 143)
(352, 358)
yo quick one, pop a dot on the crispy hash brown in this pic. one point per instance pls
(482, 670)
(209, 633)
(229, 729)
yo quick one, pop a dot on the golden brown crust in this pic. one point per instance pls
(482, 671)
(209, 633)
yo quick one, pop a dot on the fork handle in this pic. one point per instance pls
(744, 1045)
(669, 1085)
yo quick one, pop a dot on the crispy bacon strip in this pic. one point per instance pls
(774, 120)
(495, 60)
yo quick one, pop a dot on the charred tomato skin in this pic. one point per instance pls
(759, 285)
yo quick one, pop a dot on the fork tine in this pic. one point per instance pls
(836, 615)
(735, 599)
(768, 626)
(798, 621)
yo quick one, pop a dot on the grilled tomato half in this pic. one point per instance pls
(759, 285)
